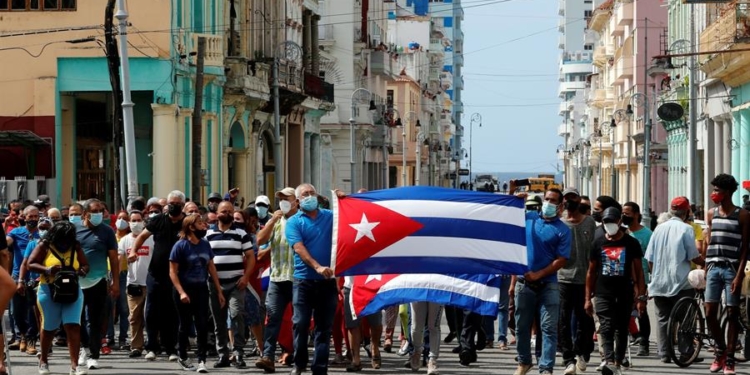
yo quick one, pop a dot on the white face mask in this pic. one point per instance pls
(137, 227)
(611, 228)
(285, 206)
(121, 224)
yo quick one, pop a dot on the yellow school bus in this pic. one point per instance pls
(541, 184)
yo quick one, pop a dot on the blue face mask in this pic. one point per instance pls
(309, 204)
(96, 219)
(549, 210)
(42, 233)
(262, 211)
(75, 219)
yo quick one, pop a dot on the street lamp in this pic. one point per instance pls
(476, 117)
(359, 96)
(612, 126)
(641, 100)
(411, 116)
(619, 116)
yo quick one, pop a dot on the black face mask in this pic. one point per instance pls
(572, 206)
(31, 224)
(627, 220)
(174, 210)
(212, 207)
(597, 216)
(226, 219)
(584, 209)
(200, 233)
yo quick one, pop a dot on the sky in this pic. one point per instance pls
(513, 85)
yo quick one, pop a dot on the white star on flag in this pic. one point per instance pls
(364, 229)
(373, 277)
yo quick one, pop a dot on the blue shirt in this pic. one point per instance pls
(192, 260)
(644, 237)
(30, 275)
(545, 242)
(671, 249)
(21, 237)
(96, 243)
(317, 236)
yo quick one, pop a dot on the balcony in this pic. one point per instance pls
(245, 77)
(561, 7)
(727, 33)
(624, 161)
(214, 49)
(624, 13)
(624, 69)
(436, 47)
(458, 59)
(316, 87)
(447, 128)
(566, 87)
(446, 80)
(564, 107)
(561, 42)
(561, 25)
(291, 77)
(438, 30)
(601, 16)
(434, 75)
(381, 63)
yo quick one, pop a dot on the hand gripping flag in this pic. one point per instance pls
(424, 229)
(478, 293)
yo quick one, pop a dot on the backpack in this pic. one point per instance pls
(65, 286)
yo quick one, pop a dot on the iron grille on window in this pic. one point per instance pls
(37, 5)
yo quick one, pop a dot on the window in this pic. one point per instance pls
(28, 5)
(587, 13)
(389, 98)
(588, 47)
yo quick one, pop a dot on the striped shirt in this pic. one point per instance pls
(282, 255)
(229, 249)
(726, 237)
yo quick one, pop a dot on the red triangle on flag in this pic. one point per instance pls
(365, 288)
(364, 229)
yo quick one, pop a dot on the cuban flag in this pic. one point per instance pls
(423, 229)
(478, 293)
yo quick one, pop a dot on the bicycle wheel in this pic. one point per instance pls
(685, 328)
(741, 328)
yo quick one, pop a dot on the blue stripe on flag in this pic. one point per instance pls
(432, 193)
(444, 265)
(406, 295)
(471, 229)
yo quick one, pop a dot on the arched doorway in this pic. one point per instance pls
(237, 145)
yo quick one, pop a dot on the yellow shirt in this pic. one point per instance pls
(698, 229)
(51, 260)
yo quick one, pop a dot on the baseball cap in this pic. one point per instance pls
(287, 192)
(153, 201)
(533, 201)
(262, 199)
(215, 196)
(680, 204)
(571, 190)
(611, 214)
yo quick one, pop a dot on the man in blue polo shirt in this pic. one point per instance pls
(310, 233)
(537, 292)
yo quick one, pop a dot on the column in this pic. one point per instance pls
(315, 45)
(735, 150)
(726, 138)
(306, 174)
(743, 141)
(710, 154)
(66, 171)
(315, 156)
(718, 149)
(307, 41)
(241, 170)
(166, 134)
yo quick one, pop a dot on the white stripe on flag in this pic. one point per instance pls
(467, 210)
(443, 283)
(451, 247)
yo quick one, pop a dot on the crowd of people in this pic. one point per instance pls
(168, 276)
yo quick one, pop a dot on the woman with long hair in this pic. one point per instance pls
(190, 265)
(59, 252)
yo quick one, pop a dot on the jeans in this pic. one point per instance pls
(502, 313)
(194, 312)
(546, 301)
(120, 311)
(278, 297)
(235, 305)
(431, 313)
(614, 316)
(23, 314)
(95, 312)
(664, 307)
(314, 299)
(160, 315)
(572, 300)
(719, 278)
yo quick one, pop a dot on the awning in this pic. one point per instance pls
(25, 138)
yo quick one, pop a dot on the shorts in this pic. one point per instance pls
(351, 322)
(252, 310)
(54, 314)
(719, 278)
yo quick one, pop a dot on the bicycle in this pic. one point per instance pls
(687, 329)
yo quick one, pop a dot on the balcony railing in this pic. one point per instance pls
(563, 129)
(381, 63)
(214, 49)
(247, 75)
(316, 87)
(728, 31)
(624, 69)
(291, 76)
(436, 46)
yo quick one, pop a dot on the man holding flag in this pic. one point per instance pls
(548, 249)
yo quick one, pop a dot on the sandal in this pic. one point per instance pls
(388, 345)
(376, 362)
(354, 368)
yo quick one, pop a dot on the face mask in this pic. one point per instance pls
(213, 206)
(717, 197)
(285, 206)
(572, 206)
(151, 216)
(309, 204)
(584, 208)
(549, 210)
(597, 216)
(106, 220)
(174, 210)
(262, 211)
(65, 217)
(200, 233)
(96, 219)
(42, 233)
(226, 219)
(75, 219)
(31, 224)
(627, 220)
(136, 227)
(121, 224)
(611, 228)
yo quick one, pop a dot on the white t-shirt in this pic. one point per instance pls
(138, 270)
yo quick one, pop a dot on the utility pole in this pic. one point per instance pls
(113, 66)
(198, 122)
(127, 103)
(692, 166)
(646, 212)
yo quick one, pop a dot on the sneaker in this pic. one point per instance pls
(92, 364)
(173, 358)
(626, 364)
(43, 369)
(432, 367)
(82, 357)
(729, 366)
(581, 363)
(570, 369)
(14, 345)
(185, 364)
(338, 359)
(601, 366)
(135, 353)
(106, 350)
(266, 364)
(503, 345)
(416, 360)
(150, 356)
(223, 362)
(522, 369)
(80, 370)
(546, 372)
(643, 351)
(718, 364)
(666, 359)
(202, 368)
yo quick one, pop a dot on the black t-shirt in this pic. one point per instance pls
(166, 233)
(615, 264)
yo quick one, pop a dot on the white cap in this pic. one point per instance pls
(263, 199)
